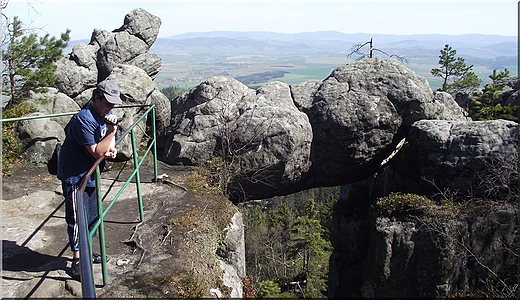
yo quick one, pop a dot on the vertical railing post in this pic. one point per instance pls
(88, 288)
(101, 227)
(371, 48)
(155, 172)
(137, 176)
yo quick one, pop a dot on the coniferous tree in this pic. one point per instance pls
(310, 250)
(287, 242)
(452, 67)
(487, 106)
(29, 61)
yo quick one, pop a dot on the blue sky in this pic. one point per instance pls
(375, 17)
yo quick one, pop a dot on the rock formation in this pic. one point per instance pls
(411, 257)
(122, 56)
(266, 136)
(351, 122)
(373, 124)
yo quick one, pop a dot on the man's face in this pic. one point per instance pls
(101, 105)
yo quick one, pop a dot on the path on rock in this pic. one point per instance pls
(36, 256)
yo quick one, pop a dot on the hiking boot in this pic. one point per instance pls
(96, 258)
(75, 269)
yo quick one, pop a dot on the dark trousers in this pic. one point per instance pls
(91, 209)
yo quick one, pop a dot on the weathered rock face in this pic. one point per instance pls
(121, 55)
(54, 102)
(464, 157)
(267, 137)
(379, 257)
(361, 111)
(358, 116)
(39, 138)
(433, 260)
(233, 256)
(375, 256)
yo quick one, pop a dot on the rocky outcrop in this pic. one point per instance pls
(233, 257)
(360, 113)
(439, 257)
(351, 123)
(268, 139)
(121, 55)
(369, 117)
(448, 253)
(469, 158)
(39, 138)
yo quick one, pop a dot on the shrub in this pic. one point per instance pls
(191, 286)
(268, 289)
(205, 179)
(11, 146)
(403, 203)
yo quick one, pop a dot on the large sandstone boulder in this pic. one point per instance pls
(120, 48)
(85, 65)
(362, 111)
(77, 70)
(121, 55)
(130, 44)
(465, 157)
(138, 89)
(143, 25)
(39, 138)
(359, 117)
(54, 102)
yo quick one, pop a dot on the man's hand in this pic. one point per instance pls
(111, 153)
(111, 122)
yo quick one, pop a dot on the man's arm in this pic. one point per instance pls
(107, 144)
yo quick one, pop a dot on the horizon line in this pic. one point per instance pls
(324, 31)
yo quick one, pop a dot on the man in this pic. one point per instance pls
(90, 135)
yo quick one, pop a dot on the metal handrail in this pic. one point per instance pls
(85, 244)
(38, 117)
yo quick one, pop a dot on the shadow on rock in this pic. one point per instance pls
(21, 258)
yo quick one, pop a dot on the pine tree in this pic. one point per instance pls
(487, 106)
(310, 250)
(455, 67)
(29, 61)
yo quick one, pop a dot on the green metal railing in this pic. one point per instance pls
(86, 235)
(88, 287)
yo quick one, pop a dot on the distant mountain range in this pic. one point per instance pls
(490, 44)
(507, 45)
(352, 37)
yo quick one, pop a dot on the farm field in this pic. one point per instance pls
(192, 58)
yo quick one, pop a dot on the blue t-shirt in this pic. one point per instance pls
(86, 128)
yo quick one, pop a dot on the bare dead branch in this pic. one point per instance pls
(357, 49)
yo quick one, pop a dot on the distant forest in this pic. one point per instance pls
(258, 78)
